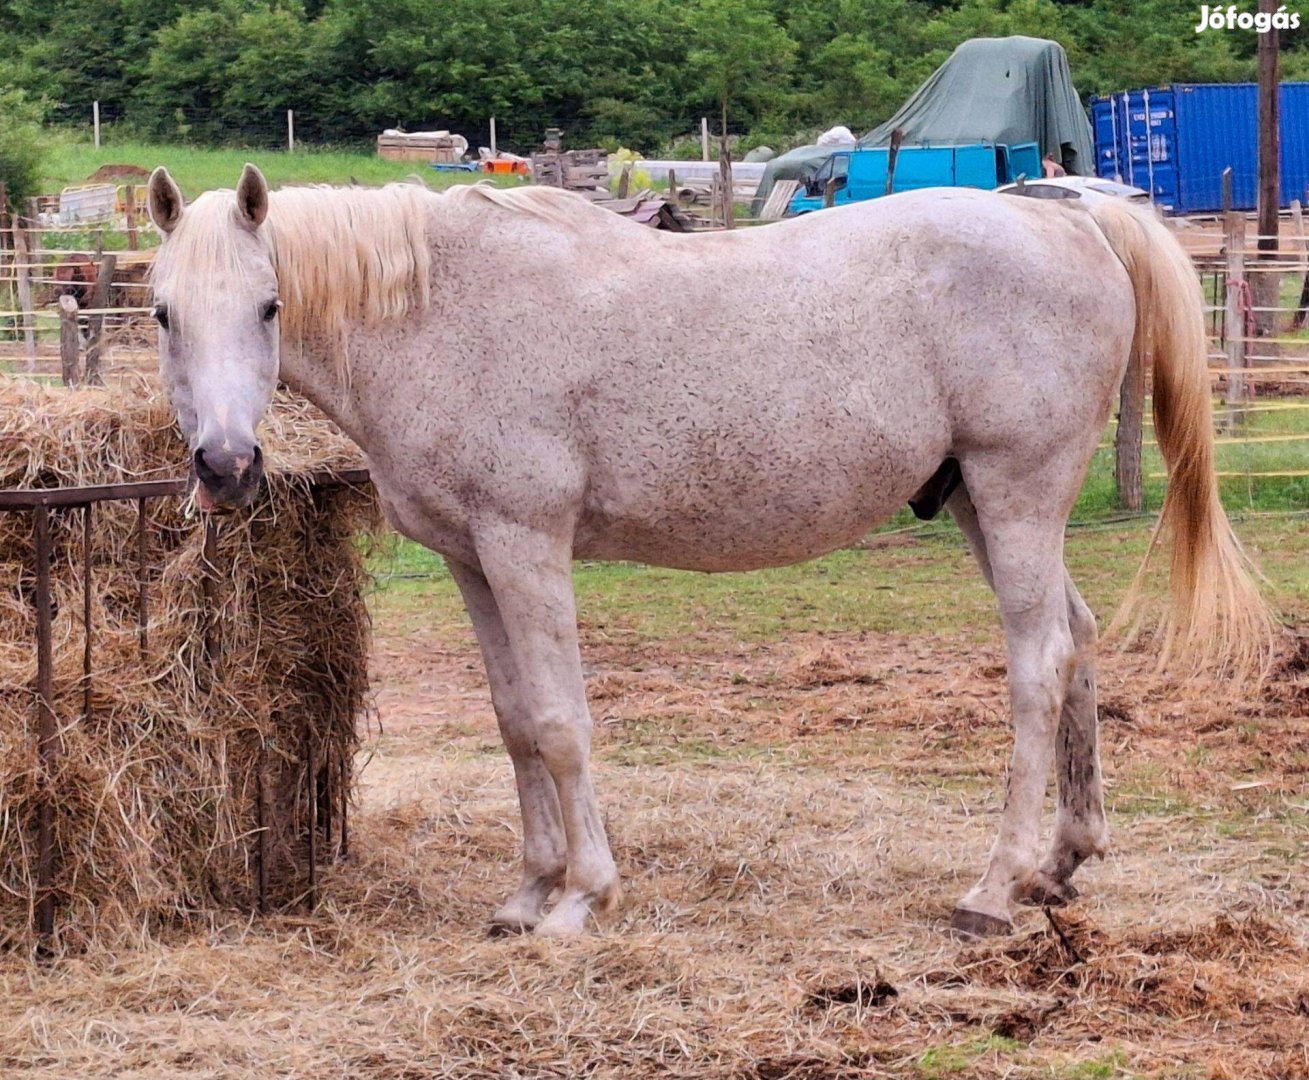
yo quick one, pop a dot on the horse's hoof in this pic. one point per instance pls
(507, 929)
(1045, 891)
(976, 924)
(570, 917)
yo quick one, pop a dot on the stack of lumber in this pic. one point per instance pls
(584, 171)
(429, 146)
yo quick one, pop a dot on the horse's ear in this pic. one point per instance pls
(165, 199)
(252, 197)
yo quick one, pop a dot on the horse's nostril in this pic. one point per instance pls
(203, 469)
(219, 468)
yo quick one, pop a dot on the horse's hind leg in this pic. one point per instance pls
(543, 827)
(1023, 545)
(1080, 829)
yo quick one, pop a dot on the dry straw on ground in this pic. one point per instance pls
(155, 789)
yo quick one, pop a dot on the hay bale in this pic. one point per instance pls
(157, 789)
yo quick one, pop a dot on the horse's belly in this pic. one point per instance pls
(747, 526)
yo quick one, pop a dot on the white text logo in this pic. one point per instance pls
(1214, 18)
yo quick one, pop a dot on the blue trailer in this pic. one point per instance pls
(860, 173)
(1175, 141)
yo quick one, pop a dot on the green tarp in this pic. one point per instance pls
(1001, 90)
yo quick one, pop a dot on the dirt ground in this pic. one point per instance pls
(794, 822)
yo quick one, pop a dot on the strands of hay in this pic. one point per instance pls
(156, 788)
(778, 890)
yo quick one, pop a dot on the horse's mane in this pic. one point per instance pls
(342, 255)
(346, 254)
(548, 203)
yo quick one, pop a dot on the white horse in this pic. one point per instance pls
(536, 380)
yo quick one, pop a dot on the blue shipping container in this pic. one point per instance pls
(1175, 141)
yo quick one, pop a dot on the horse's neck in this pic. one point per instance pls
(314, 374)
(314, 369)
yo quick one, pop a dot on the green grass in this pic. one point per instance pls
(957, 1059)
(1101, 1068)
(1261, 418)
(930, 587)
(71, 161)
(846, 589)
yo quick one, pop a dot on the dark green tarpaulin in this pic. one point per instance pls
(1001, 90)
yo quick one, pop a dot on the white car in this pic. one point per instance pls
(1090, 188)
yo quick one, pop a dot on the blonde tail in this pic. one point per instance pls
(1217, 618)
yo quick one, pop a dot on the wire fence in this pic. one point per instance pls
(519, 130)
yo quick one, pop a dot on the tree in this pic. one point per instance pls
(74, 53)
(22, 146)
(741, 55)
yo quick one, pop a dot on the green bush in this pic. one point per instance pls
(22, 146)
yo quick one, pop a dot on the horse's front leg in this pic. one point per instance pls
(543, 829)
(530, 575)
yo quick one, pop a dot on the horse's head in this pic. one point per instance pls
(215, 290)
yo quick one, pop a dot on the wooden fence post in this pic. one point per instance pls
(23, 276)
(1237, 308)
(625, 180)
(129, 216)
(725, 185)
(1301, 308)
(99, 301)
(1128, 437)
(6, 238)
(893, 155)
(68, 339)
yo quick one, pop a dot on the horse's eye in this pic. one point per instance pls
(271, 309)
(161, 315)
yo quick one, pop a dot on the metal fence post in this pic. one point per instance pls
(46, 732)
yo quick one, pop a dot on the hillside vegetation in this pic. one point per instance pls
(636, 72)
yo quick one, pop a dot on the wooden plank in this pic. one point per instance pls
(779, 200)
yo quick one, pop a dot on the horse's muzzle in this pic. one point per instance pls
(227, 479)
